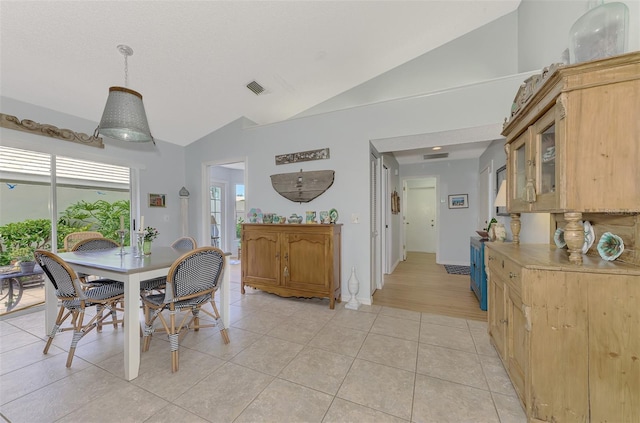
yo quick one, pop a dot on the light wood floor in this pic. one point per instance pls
(420, 284)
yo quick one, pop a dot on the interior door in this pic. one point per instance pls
(420, 223)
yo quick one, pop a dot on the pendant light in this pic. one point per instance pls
(124, 117)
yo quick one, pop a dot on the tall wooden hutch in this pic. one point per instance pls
(566, 324)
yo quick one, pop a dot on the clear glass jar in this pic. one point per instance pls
(599, 33)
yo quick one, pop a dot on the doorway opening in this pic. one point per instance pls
(420, 215)
(224, 206)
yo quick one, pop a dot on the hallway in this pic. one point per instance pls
(420, 284)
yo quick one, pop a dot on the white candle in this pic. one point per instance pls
(141, 223)
(121, 223)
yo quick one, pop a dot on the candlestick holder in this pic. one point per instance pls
(121, 233)
(139, 244)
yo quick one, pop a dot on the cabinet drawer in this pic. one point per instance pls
(507, 270)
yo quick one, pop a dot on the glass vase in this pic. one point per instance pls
(146, 248)
(601, 32)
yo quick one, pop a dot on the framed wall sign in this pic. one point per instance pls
(459, 201)
(157, 200)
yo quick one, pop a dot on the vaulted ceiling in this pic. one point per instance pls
(193, 59)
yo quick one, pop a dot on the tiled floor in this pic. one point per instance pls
(289, 360)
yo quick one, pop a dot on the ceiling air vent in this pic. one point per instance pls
(436, 156)
(255, 88)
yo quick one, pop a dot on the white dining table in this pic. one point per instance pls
(131, 270)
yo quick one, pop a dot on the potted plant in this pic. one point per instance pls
(24, 257)
(149, 235)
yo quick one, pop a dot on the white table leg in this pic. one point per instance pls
(224, 293)
(132, 326)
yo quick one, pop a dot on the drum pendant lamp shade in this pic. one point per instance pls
(124, 117)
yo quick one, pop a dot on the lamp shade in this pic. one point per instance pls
(124, 117)
(501, 198)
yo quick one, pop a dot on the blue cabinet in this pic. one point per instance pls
(478, 275)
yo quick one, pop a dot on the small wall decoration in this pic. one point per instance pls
(459, 201)
(395, 202)
(303, 156)
(157, 200)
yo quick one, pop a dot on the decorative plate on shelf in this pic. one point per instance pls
(255, 216)
(333, 215)
(558, 238)
(589, 237)
(610, 246)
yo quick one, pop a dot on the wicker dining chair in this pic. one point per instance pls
(74, 300)
(73, 238)
(156, 284)
(192, 282)
(93, 244)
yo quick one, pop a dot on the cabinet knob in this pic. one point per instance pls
(491, 258)
(505, 321)
(512, 275)
(286, 271)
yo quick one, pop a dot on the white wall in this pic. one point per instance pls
(161, 167)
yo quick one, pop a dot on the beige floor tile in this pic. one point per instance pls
(259, 322)
(397, 327)
(7, 329)
(482, 343)
(354, 319)
(400, 314)
(26, 355)
(477, 326)
(437, 319)
(156, 375)
(342, 411)
(283, 401)
(496, 375)
(268, 355)
(383, 388)
(300, 331)
(18, 340)
(315, 309)
(447, 336)
(225, 393)
(238, 340)
(509, 408)
(37, 375)
(390, 351)
(439, 401)
(128, 404)
(318, 369)
(339, 340)
(452, 365)
(172, 414)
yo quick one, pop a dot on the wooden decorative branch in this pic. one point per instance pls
(303, 156)
(26, 125)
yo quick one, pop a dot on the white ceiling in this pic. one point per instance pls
(192, 59)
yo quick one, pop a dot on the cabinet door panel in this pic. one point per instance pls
(260, 258)
(307, 263)
(517, 341)
(518, 174)
(497, 313)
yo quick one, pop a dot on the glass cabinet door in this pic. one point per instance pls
(518, 174)
(547, 160)
(546, 177)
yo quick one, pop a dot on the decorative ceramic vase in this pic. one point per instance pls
(601, 32)
(146, 247)
(354, 287)
(311, 217)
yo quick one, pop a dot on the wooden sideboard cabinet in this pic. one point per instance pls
(568, 336)
(292, 260)
(572, 144)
